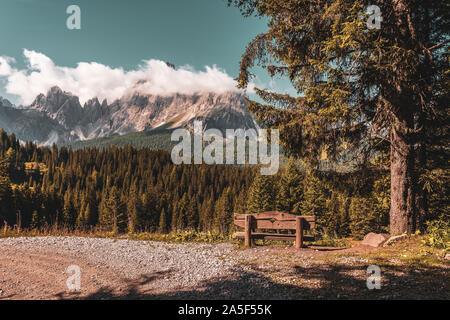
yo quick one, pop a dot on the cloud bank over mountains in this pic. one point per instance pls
(92, 79)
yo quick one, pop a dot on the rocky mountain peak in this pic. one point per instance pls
(5, 103)
(54, 100)
(68, 121)
(59, 105)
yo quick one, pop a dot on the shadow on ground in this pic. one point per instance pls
(332, 281)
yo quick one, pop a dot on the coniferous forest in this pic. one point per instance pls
(116, 189)
(133, 190)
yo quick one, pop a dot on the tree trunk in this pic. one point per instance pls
(402, 213)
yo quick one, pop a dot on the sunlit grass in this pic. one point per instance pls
(61, 231)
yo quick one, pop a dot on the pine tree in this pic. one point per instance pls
(12, 161)
(5, 192)
(87, 215)
(223, 217)
(106, 218)
(68, 210)
(162, 226)
(359, 89)
(34, 225)
(332, 218)
(112, 217)
(290, 194)
(134, 211)
(81, 222)
(336, 219)
(174, 218)
(182, 210)
(240, 205)
(206, 219)
(362, 218)
(314, 198)
(5, 182)
(117, 208)
(148, 218)
(261, 195)
(192, 215)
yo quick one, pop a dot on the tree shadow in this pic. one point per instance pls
(329, 281)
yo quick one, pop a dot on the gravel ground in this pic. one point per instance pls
(120, 263)
(35, 268)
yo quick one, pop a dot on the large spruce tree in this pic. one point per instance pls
(5, 188)
(4, 179)
(223, 213)
(290, 189)
(360, 89)
(261, 195)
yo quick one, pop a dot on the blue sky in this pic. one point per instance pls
(123, 34)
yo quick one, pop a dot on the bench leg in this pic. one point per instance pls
(248, 231)
(298, 233)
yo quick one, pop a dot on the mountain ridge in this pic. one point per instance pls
(58, 116)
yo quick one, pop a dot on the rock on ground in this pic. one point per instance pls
(375, 239)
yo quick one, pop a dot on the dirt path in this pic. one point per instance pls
(35, 268)
(41, 274)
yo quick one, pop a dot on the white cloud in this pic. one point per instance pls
(5, 66)
(88, 80)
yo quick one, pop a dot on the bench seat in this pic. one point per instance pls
(273, 236)
(253, 224)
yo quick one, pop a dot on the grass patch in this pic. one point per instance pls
(179, 237)
(55, 232)
(411, 252)
(329, 241)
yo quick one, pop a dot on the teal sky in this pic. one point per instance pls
(123, 33)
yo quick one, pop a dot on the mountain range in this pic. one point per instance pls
(58, 117)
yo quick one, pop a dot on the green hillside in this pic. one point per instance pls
(157, 139)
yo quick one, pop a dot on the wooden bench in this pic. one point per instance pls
(274, 220)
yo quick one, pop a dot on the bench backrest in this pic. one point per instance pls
(274, 220)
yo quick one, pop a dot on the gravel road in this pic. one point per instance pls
(36, 268)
